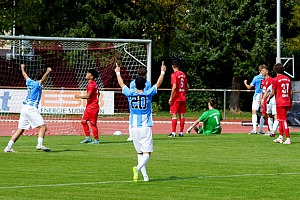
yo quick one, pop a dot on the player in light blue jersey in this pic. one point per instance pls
(142, 71)
(256, 84)
(30, 115)
(140, 101)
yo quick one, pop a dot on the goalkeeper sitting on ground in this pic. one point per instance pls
(211, 120)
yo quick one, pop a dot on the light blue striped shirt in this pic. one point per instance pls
(256, 83)
(34, 93)
(140, 106)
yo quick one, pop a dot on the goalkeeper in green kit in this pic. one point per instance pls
(211, 120)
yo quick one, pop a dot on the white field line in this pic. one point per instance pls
(112, 182)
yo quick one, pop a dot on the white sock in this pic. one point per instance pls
(270, 123)
(254, 120)
(143, 161)
(275, 126)
(143, 169)
(280, 137)
(173, 133)
(10, 144)
(181, 133)
(261, 124)
(40, 141)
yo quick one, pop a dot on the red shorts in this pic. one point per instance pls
(281, 112)
(91, 114)
(178, 107)
(264, 108)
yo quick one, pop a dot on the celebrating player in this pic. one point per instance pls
(211, 120)
(92, 108)
(140, 118)
(256, 82)
(30, 115)
(177, 99)
(142, 71)
(282, 89)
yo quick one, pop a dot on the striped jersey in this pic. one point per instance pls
(34, 93)
(140, 106)
(256, 83)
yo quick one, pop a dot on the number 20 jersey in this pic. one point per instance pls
(140, 106)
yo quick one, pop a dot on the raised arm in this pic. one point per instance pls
(44, 78)
(120, 80)
(23, 72)
(160, 79)
(249, 87)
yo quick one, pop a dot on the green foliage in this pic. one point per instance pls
(220, 43)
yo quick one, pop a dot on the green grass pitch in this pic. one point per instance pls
(228, 166)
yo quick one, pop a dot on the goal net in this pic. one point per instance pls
(69, 58)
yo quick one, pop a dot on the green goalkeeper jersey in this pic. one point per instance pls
(211, 122)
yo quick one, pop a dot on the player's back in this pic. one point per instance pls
(282, 86)
(179, 78)
(140, 106)
(211, 121)
(34, 93)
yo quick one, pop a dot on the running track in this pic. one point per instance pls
(109, 126)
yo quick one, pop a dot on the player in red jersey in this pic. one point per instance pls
(92, 107)
(177, 99)
(265, 83)
(282, 89)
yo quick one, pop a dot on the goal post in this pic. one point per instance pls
(69, 58)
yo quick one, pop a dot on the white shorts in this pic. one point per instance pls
(271, 109)
(30, 116)
(255, 102)
(142, 139)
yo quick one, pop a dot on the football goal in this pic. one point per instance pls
(69, 58)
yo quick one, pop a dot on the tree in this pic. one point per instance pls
(230, 38)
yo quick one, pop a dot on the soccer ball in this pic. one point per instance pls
(117, 133)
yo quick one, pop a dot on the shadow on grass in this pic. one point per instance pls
(64, 150)
(173, 178)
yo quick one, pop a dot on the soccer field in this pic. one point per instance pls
(228, 166)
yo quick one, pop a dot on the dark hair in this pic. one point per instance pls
(175, 63)
(213, 102)
(94, 73)
(39, 74)
(140, 83)
(278, 68)
(142, 71)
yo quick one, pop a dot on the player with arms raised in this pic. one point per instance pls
(282, 89)
(30, 115)
(140, 118)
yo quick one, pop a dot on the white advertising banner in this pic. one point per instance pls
(55, 101)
